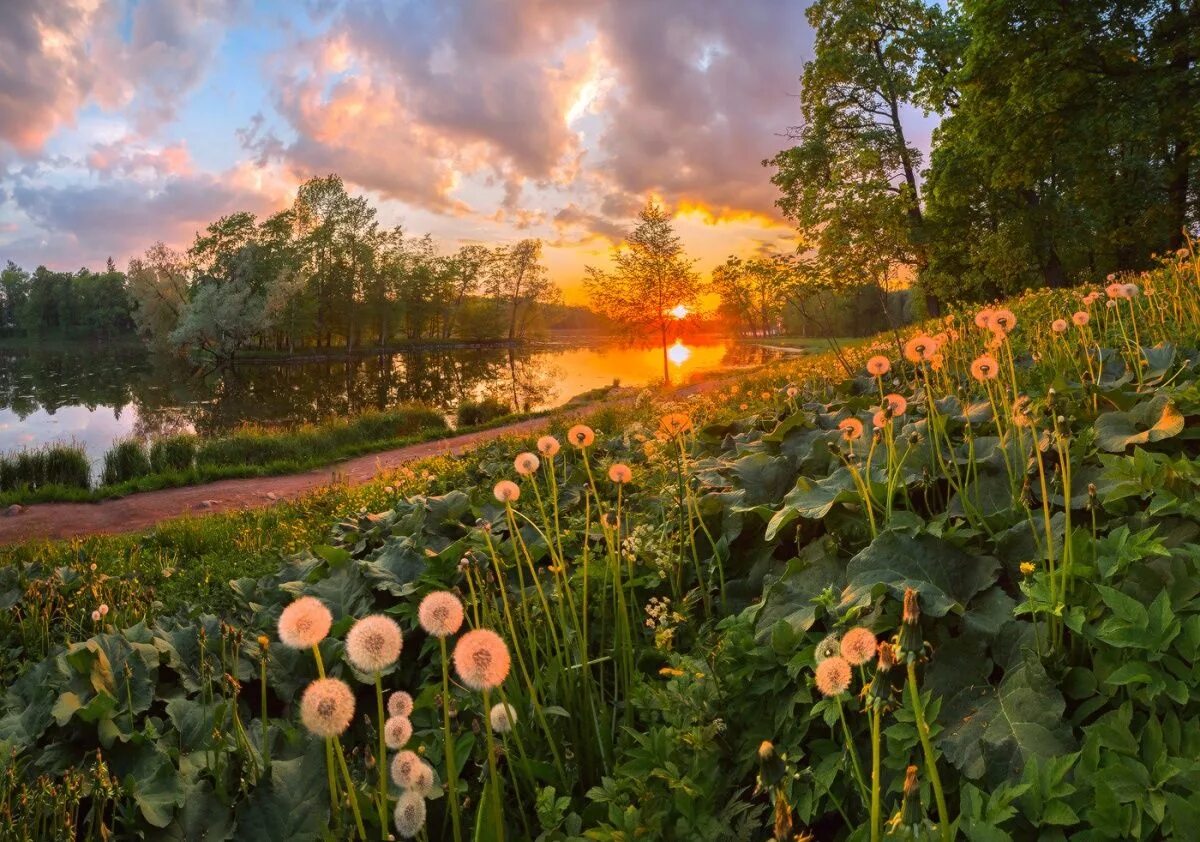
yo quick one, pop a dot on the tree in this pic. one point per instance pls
(650, 278)
(519, 281)
(14, 289)
(158, 284)
(851, 181)
(754, 291)
(1071, 153)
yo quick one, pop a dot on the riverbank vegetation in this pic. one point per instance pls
(949, 596)
(62, 473)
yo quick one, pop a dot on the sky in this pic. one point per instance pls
(125, 122)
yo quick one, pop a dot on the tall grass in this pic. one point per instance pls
(312, 444)
(173, 453)
(126, 460)
(56, 465)
(471, 413)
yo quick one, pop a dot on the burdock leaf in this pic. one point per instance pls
(1152, 421)
(813, 499)
(790, 599)
(994, 731)
(944, 576)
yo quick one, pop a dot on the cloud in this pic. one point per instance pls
(703, 92)
(45, 74)
(126, 157)
(56, 56)
(594, 225)
(83, 224)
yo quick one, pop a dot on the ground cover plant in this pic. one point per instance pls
(945, 586)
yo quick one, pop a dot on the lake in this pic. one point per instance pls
(95, 394)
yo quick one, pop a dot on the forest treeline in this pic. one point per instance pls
(1065, 148)
(322, 273)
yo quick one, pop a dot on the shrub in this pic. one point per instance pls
(472, 413)
(173, 453)
(57, 464)
(126, 460)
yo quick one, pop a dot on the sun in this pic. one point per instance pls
(679, 311)
(679, 353)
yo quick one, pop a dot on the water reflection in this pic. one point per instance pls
(97, 394)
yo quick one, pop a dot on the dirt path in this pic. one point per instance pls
(140, 511)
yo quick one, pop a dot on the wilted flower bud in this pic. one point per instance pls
(910, 644)
(770, 766)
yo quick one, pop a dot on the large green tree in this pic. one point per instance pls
(851, 183)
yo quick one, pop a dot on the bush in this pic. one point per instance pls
(473, 413)
(173, 453)
(126, 460)
(57, 464)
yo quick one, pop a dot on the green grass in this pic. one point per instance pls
(172, 454)
(126, 460)
(470, 413)
(255, 453)
(53, 466)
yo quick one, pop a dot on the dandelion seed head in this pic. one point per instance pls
(410, 814)
(397, 731)
(502, 717)
(852, 428)
(1059, 325)
(404, 768)
(827, 648)
(481, 659)
(833, 676)
(548, 446)
(858, 645)
(919, 348)
(327, 707)
(985, 368)
(898, 404)
(620, 473)
(304, 623)
(983, 319)
(507, 491)
(581, 436)
(374, 643)
(878, 366)
(1004, 320)
(95, 616)
(400, 704)
(440, 614)
(526, 464)
(1080, 318)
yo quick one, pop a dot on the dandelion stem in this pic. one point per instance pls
(918, 708)
(451, 764)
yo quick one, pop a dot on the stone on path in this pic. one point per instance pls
(14, 509)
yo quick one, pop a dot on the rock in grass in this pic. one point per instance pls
(14, 510)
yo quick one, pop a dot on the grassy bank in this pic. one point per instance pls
(950, 596)
(59, 473)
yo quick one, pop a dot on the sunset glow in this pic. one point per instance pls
(140, 122)
(679, 311)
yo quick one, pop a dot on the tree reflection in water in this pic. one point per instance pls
(57, 393)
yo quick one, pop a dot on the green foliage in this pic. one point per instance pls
(126, 460)
(53, 466)
(471, 413)
(173, 453)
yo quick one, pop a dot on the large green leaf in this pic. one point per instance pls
(764, 477)
(992, 731)
(813, 499)
(945, 576)
(292, 803)
(791, 599)
(1152, 421)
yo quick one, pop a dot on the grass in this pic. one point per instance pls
(56, 466)
(43, 476)
(127, 460)
(810, 343)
